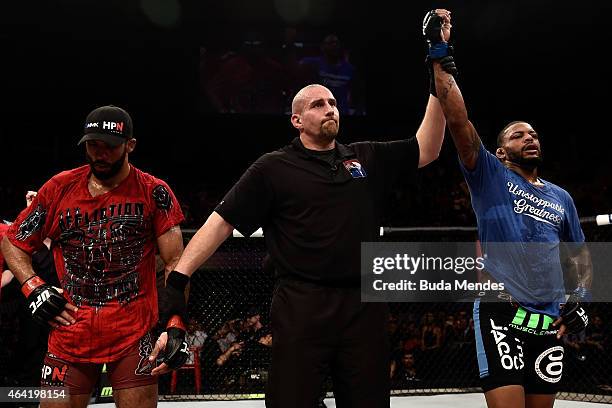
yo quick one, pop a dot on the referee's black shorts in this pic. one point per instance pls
(318, 330)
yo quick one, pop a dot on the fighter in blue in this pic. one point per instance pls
(522, 221)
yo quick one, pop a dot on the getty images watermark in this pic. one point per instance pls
(462, 271)
(414, 264)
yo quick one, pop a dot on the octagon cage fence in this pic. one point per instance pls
(433, 346)
(434, 340)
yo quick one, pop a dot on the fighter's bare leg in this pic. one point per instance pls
(508, 396)
(74, 401)
(141, 397)
(539, 400)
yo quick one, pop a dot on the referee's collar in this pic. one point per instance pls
(342, 151)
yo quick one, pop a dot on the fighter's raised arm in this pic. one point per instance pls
(436, 27)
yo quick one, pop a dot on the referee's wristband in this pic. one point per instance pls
(177, 280)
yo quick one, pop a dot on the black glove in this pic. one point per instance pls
(432, 28)
(44, 301)
(172, 297)
(437, 49)
(177, 350)
(573, 314)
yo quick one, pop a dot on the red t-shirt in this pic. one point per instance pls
(104, 251)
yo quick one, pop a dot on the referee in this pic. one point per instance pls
(317, 200)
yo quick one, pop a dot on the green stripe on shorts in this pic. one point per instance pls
(547, 320)
(519, 317)
(534, 319)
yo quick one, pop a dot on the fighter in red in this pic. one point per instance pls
(105, 220)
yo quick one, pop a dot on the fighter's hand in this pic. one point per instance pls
(446, 23)
(573, 319)
(437, 31)
(437, 26)
(30, 197)
(65, 318)
(562, 328)
(171, 348)
(160, 345)
(46, 303)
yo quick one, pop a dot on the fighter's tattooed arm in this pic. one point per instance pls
(462, 131)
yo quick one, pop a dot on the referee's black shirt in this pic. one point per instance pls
(314, 213)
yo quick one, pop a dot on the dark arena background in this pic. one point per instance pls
(209, 86)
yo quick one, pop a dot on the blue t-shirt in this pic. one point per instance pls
(532, 221)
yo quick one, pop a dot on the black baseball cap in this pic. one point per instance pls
(109, 124)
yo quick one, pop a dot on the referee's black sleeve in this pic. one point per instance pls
(247, 205)
(397, 160)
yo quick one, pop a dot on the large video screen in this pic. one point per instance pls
(258, 71)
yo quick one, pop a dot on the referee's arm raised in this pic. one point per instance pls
(431, 132)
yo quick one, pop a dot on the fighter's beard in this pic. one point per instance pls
(112, 171)
(528, 164)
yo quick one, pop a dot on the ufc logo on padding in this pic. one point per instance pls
(585, 318)
(40, 299)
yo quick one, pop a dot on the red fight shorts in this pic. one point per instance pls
(130, 371)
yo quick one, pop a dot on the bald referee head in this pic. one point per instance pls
(314, 112)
